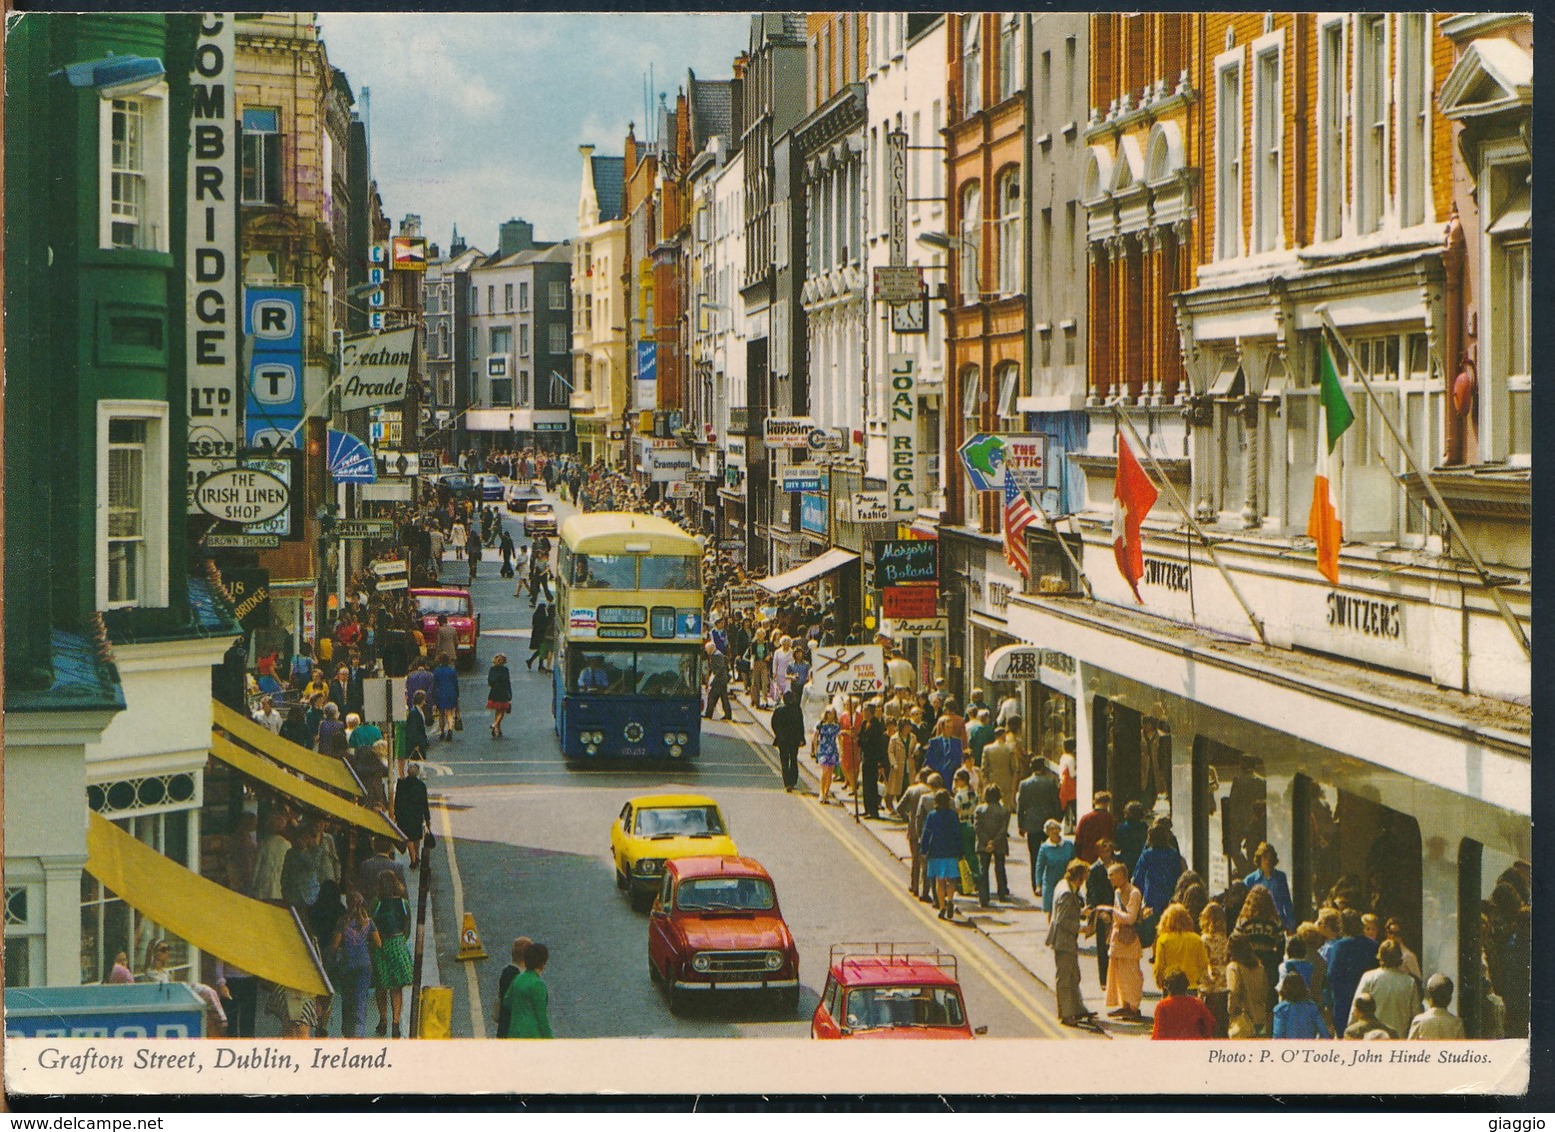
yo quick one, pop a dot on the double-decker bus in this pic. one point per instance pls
(628, 674)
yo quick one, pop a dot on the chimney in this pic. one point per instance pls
(515, 236)
(741, 61)
(411, 225)
(629, 149)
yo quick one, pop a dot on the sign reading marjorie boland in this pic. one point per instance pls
(900, 562)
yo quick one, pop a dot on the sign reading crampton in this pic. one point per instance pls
(375, 368)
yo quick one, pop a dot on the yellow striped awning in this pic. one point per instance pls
(321, 768)
(309, 794)
(267, 940)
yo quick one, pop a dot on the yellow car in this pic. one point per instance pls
(662, 827)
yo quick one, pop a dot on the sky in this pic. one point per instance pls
(477, 118)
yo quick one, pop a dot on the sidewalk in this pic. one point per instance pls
(1018, 927)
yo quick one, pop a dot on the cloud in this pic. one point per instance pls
(477, 117)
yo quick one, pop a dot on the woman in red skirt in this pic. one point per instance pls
(499, 692)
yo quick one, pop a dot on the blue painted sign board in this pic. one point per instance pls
(272, 326)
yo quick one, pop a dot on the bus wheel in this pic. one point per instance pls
(641, 901)
(621, 881)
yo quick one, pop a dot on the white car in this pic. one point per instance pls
(539, 518)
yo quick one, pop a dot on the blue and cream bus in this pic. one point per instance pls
(628, 673)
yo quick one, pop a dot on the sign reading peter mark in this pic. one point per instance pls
(853, 670)
(902, 436)
(375, 368)
(210, 247)
(787, 432)
(901, 562)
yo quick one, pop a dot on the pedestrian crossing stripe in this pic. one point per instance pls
(437, 770)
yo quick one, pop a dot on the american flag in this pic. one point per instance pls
(1018, 515)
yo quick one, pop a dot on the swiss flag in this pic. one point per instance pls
(1132, 497)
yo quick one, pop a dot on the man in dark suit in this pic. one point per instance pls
(416, 741)
(788, 736)
(873, 748)
(1099, 894)
(340, 690)
(1036, 801)
(411, 811)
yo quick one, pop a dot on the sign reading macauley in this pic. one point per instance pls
(375, 368)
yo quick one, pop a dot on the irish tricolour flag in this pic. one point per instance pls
(1323, 525)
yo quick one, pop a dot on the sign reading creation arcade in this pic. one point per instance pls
(375, 368)
(902, 436)
(210, 248)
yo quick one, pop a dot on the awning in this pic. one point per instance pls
(267, 940)
(833, 559)
(310, 795)
(321, 768)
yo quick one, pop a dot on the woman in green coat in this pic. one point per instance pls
(527, 1000)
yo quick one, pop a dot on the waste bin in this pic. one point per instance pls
(435, 1017)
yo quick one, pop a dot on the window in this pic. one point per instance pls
(501, 339)
(1045, 93)
(502, 392)
(109, 925)
(132, 504)
(507, 297)
(1009, 57)
(442, 340)
(523, 388)
(1228, 156)
(262, 156)
(475, 299)
(133, 152)
(1268, 188)
(558, 291)
(969, 251)
(1330, 130)
(1371, 120)
(1506, 362)
(971, 394)
(1414, 98)
(491, 300)
(971, 64)
(24, 947)
(558, 338)
(523, 296)
(1069, 60)
(1007, 381)
(1009, 235)
(523, 341)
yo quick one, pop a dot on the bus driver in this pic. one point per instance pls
(594, 678)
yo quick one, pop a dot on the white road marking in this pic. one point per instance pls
(477, 1011)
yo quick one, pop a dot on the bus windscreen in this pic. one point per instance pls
(669, 673)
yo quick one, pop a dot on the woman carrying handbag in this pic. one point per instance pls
(392, 965)
(356, 938)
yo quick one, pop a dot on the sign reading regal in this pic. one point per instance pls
(375, 368)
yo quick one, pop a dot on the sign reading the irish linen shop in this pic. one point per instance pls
(210, 251)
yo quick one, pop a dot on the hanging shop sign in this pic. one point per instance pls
(871, 507)
(364, 528)
(349, 460)
(250, 590)
(852, 670)
(909, 601)
(812, 514)
(211, 251)
(803, 479)
(272, 328)
(375, 368)
(218, 541)
(787, 432)
(901, 562)
(398, 465)
(242, 495)
(904, 627)
(1013, 662)
(680, 490)
(408, 253)
(982, 455)
(902, 436)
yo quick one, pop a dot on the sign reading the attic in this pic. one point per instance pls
(210, 250)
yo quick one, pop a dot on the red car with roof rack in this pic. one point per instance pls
(891, 990)
(716, 926)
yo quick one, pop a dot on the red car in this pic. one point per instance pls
(460, 608)
(716, 926)
(891, 990)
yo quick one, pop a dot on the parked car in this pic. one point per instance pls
(458, 484)
(460, 608)
(539, 518)
(716, 927)
(490, 485)
(891, 990)
(657, 828)
(521, 495)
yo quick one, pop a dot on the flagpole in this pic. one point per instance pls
(1321, 310)
(1183, 510)
(1036, 501)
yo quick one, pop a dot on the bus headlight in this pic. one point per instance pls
(681, 737)
(675, 751)
(669, 738)
(701, 963)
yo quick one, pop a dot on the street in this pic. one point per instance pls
(523, 843)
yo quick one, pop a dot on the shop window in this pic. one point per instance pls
(1230, 811)
(132, 488)
(109, 925)
(1134, 756)
(24, 935)
(1494, 957)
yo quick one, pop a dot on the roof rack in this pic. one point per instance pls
(893, 954)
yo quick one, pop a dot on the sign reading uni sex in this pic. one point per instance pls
(272, 323)
(853, 670)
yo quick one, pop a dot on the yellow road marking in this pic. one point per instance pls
(1001, 982)
(472, 984)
